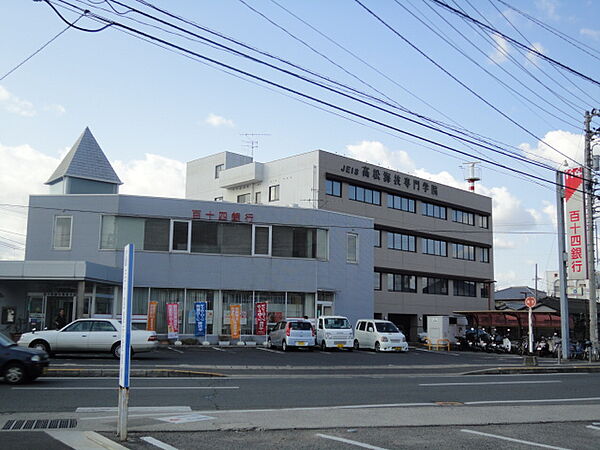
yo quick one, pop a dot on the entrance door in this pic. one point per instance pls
(55, 304)
(36, 306)
(324, 309)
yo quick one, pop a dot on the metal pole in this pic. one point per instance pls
(589, 209)
(530, 332)
(562, 268)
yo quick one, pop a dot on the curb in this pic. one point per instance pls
(535, 370)
(138, 373)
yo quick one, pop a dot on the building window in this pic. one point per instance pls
(218, 199)
(462, 251)
(434, 247)
(465, 288)
(257, 198)
(262, 240)
(244, 198)
(401, 283)
(463, 217)
(333, 188)
(483, 221)
(435, 286)
(299, 242)
(431, 210)
(377, 281)
(352, 249)
(401, 203)
(377, 238)
(398, 241)
(365, 195)
(274, 193)
(485, 254)
(218, 169)
(485, 290)
(156, 234)
(180, 236)
(62, 232)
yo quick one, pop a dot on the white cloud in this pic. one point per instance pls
(501, 243)
(15, 105)
(154, 175)
(534, 58)
(375, 152)
(217, 121)
(568, 143)
(594, 34)
(500, 54)
(59, 110)
(549, 8)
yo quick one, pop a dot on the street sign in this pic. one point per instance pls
(530, 302)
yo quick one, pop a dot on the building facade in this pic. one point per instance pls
(432, 243)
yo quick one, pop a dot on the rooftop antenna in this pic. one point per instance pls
(472, 173)
(252, 141)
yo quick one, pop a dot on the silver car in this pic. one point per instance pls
(292, 333)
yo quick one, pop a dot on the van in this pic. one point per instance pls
(292, 333)
(334, 332)
(379, 335)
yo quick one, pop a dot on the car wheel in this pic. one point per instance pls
(116, 350)
(284, 346)
(323, 346)
(377, 347)
(14, 373)
(40, 345)
(356, 344)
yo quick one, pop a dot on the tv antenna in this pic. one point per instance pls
(251, 141)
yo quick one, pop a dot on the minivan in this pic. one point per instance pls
(379, 335)
(292, 333)
(334, 332)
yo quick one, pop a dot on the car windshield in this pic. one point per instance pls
(300, 325)
(5, 342)
(386, 327)
(338, 323)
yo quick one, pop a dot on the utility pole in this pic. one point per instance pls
(562, 267)
(589, 209)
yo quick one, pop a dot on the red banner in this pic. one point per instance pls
(260, 319)
(151, 320)
(235, 315)
(172, 320)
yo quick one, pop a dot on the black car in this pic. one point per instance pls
(19, 364)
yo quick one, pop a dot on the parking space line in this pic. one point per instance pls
(592, 427)
(269, 350)
(491, 382)
(157, 443)
(218, 349)
(349, 441)
(504, 438)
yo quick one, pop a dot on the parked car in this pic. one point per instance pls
(292, 333)
(379, 335)
(89, 336)
(334, 331)
(18, 364)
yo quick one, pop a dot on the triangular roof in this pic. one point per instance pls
(517, 293)
(85, 160)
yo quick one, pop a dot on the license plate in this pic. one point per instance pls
(340, 345)
(300, 343)
(397, 348)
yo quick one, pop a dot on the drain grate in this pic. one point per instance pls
(38, 424)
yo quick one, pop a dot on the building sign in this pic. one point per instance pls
(401, 181)
(223, 216)
(151, 323)
(575, 223)
(260, 319)
(200, 310)
(235, 320)
(172, 320)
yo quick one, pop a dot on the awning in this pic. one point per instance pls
(504, 318)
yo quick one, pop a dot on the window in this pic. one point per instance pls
(261, 240)
(274, 193)
(485, 290)
(435, 286)
(434, 247)
(401, 203)
(244, 198)
(352, 250)
(102, 325)
(299, 242)
(257, 198)
(77, 327)
(465, 288)
(361, 194)
(218, 199)
(463, 217)
(377, 238)
(333, 188)
(62, 232)
(398, 241)
(401, 283)
(180, 236)
(156, 234)
(485, 255)
(431, 210)
(462, 251)
(377, 281)
(218, 169)
(483, 221)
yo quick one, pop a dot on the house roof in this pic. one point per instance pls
(85, 160)
(517, 293)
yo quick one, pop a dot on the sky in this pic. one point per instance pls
(153, 107)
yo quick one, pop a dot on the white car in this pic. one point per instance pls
(292, 333)
(334, 331)
(380, 335)
(89, 336)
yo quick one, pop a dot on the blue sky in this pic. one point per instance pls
(153, 110)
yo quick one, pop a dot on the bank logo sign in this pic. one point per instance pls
(575, 224)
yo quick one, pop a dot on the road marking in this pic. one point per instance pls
(157, 443)
(269, 350)
(534, 444)
(491, 382)
(437, 351)
(543, 400)
(592, 427)
(175, 350)
(218, 349)
(156, 409)
(348, 441)
(160, 388)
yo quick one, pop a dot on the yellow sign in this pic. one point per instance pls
(235, 320)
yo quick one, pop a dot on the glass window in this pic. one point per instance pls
(431, 210)
(199, 295)
(261, 240)
(352, 250)
(83, 325)
(337, 323)
(296, 242)
(333, 188)
(485, 254)
(236, 238)
(274, 193)
(218, 169)
(399, 241)
(275, 305)
(377, 281)
(377, 238)
(365, 195)
(102, 325)
(180, 236)
(162, 297)
(434, 247)
(462, 251)
(435, 286)
(244, 198)
(257, 198)
(465, 288)
(483, 221)
(322, 244)
(463, 217)
(401, 283)
(156, 234)
(62, 232)
(300, 304)
(485, 290)
(400, 203)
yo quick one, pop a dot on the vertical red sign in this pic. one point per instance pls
(172, 320)
(260, 318)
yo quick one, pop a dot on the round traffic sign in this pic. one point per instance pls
(530, 302)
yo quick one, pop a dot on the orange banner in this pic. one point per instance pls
(151, 320)
(235, 315)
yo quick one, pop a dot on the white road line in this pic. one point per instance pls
(592, 427)
(441, 352)
(348, 441)
(218, 349)
(128, 415)
(156, 409)
(542, 400)
(159, 388)
(491, 383)
(157, 443)
(175, 350)
(269, 350)
(534, 444)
